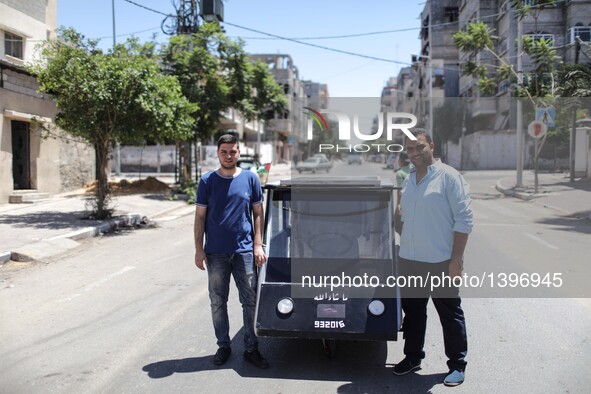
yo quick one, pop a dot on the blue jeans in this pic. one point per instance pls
(242, 267)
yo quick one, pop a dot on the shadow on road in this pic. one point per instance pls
(360, 365)
(576, 222)
(49, 220)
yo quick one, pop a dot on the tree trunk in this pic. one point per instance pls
(186, 159)
(102, 196)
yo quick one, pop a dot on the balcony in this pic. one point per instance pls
(483, 106)
(282, 126)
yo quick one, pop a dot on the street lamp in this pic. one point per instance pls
(430, 68)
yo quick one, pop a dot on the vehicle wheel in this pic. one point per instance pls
(299, 171)
(313, 171)
(330, 348)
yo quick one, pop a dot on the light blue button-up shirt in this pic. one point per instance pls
(432, 211)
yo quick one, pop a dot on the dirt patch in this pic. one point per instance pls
(149, 185)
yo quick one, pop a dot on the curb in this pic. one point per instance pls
(511, 192)
(61, 243)
(64, 242)
(4, 257)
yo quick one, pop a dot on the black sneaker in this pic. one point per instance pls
(256, 359)
(222, 355)
(406, 366)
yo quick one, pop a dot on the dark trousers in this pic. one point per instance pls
(447, 302)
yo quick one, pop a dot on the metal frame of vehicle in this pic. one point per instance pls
(327, 226)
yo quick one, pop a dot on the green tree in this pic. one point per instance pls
(215, 72)
(537, 85)
(119, 96)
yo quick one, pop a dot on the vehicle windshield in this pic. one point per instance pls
(330, 224)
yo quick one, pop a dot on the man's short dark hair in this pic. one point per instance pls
(227, 139)
(418, 131)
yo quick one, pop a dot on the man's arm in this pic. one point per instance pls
(459, 200)
(199, 231)
(258, 216)
(457, 254)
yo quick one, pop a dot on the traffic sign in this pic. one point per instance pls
(546, 115)
(537, 129)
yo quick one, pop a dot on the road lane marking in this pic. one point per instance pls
(540, 240)
(498, 209)
(98, 283)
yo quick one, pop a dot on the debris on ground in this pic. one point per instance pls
(149, 185)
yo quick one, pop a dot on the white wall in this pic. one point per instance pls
(487, 150)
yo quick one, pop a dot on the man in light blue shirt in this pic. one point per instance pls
(437, 219)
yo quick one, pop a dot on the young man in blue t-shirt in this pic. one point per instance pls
(229, 212)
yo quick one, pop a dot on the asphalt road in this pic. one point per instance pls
(129, 313)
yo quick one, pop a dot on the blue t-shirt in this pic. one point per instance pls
(229, 201)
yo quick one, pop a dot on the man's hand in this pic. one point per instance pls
(455, 268)
(200, 259)
(259, 255)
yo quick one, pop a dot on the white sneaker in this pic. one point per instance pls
(454, 378)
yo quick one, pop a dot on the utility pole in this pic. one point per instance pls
(519, 131)
(186, 21)
(430, 71)
(573, 130)
(118, 146)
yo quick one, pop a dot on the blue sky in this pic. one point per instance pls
(346, 75)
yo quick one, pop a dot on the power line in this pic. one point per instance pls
(148, 8)
(319, 46)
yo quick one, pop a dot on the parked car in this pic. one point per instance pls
(321, 155)
(314, 164)
(354, 158)
(250, 163)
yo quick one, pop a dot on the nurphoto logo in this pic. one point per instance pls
(393, 120)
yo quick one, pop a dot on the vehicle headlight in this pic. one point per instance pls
(285, 306)
(376, 307)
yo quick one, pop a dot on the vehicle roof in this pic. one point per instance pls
(349, 182)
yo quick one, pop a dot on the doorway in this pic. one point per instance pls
(21, 155)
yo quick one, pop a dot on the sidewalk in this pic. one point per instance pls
(555, 191)
(37, 231)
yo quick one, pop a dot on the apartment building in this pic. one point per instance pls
(32, 166)
(489, 120)
(495, 116)
(286, 130)
(437, 62)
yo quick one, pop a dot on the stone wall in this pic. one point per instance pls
(77, 164)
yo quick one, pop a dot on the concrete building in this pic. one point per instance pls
(286, 130)
(32, 166)
(489, 120)
(316, 94)
(437, 62)
(496, 115)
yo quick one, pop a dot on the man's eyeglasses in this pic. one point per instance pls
(416, 148)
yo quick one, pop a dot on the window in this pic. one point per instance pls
(13, 45)
(584, 32)
(452, 14)
(538, 36)
(504, 86)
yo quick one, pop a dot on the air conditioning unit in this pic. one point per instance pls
(212, 10)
